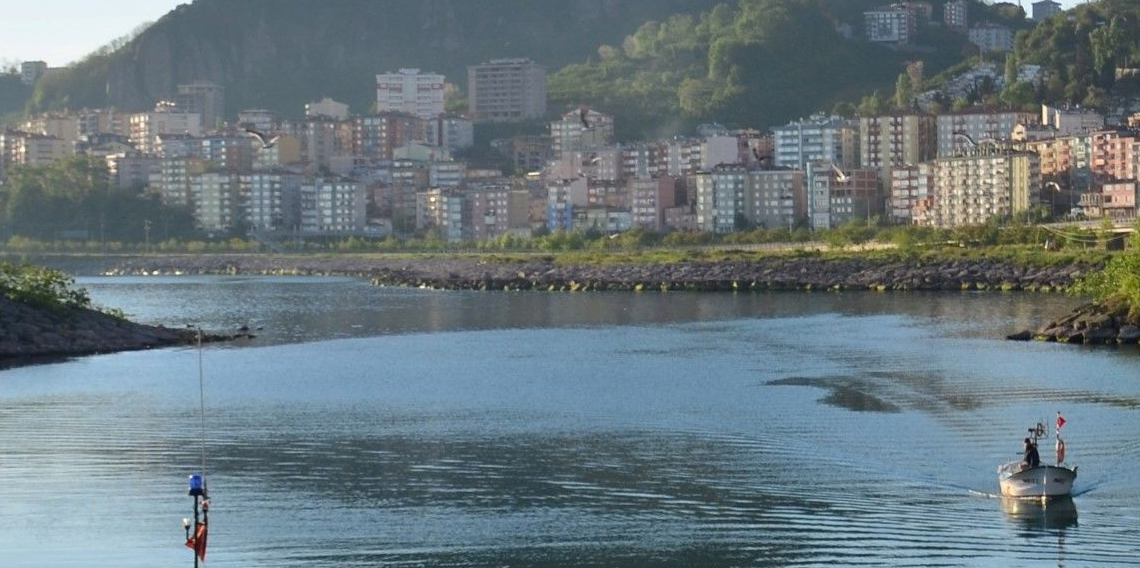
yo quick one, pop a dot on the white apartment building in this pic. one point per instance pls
(720, 198)
(145, 126)
(273, 200)
(573, 132)
(332, 206)
(326, 108)
(818, 138)
(970, 190)
(911, 193)
(216, 199)
(890, 25)
(979, 126)
(991, 37)
(506, 90)
(410, 91)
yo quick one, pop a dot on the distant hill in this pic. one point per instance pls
(280, 54)
(751, 63)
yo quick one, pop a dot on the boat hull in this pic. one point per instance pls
(1042, 482)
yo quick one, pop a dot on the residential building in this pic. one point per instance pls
(64, 126)
(894, 140)
(261, 120)
(217, 201)
(955, 16)
(1056, 156)
(979, 126)
(332, 206)
(974, 188)
(776, 198)
(893, 24)
(229, 152)
(1069, 121)
(410, 91)
(31, 71)
(1045, 9)
(818, 138)
(720, 150)
(563, 199)
(1118, 201)
(506, 90)
(572, 133)
(378, 136)
(273, 200)
(173, 182)
(165, 119)
(650, 198)
(103, 121)
(835, 196)
(491, 212)
(911, 190)
(720, 198)
(1113, 154)
(991, 37)
(206, 99)
(26, 148)
(130, 171)
(327, 108)
(451, 131)
(529, 153)
(441, 210)
(319, 140)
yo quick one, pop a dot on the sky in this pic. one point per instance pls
(63, 31)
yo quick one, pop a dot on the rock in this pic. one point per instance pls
(1128, 334)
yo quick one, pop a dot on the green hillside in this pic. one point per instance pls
(752, 64)
(280, 54)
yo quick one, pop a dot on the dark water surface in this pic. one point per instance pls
(390, 427)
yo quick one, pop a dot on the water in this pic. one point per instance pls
(389, 427)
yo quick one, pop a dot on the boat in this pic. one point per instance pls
(1022, 480)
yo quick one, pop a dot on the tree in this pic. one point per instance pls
(904, 92)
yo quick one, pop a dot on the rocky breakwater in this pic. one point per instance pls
(29, 333)
(1093, 324)
(765, 274)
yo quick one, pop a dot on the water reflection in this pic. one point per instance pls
(1037, 517)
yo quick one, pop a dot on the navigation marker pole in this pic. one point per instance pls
(196, 529)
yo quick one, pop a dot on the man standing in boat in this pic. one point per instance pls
(1032, 458)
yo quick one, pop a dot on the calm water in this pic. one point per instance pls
(380, 427)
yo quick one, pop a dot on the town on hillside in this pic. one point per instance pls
(399, 170)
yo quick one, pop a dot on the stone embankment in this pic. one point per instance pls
(805, 273)
(1093, 324)
(30, 333)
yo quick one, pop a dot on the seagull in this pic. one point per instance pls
(266, 141)
(584, 115)
(839, 175)
(760, 158)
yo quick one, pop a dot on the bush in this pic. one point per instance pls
(41, 287)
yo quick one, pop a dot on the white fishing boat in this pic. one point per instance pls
(1028, 478)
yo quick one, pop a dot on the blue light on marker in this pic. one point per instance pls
(196, 485)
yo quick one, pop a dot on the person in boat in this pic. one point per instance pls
(1032, 458)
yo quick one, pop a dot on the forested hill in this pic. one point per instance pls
(752, 63)
(280, 54)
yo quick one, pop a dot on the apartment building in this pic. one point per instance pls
(326, 108)
(563, 199)
(1044, 10)
(979, 126)
(1069, 121)
(173, 181)
(26, 148)
(332, 206)
(410, 91)
(818, 138)
(1112, 154)
(378, 136)
(206, 99)
(273, 200)
(491, 212)
(31, 71)
(649, 199)
(955, 16)
(894, 140)
(972, 189)
(892, 24)
(574, 132)
(991, 37)
(451, 131)
(719, 203)
(146, 126)
(216, 199)
(506, 90)
(835, 197)
(911, 191)
(776, 198)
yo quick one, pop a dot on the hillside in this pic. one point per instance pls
(753, 63)
(280, 54)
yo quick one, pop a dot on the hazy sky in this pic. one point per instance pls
(63, 31)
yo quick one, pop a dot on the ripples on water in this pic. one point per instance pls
(454, 429)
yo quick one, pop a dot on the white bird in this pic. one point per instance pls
(839, 175)
(266, 141)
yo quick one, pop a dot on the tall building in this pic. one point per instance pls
(720, 198)
(273, 201)
(216, 199)
(893, 24)
(955, 16)
(410, 91)
(816, 139)
(911, 193)
(506, 90)
(835, 196)
(977, 125)
(145, 126)
(574, 132)
(991, 37)
(326, 108)
(31, 71)
(206, 99)
(895, 140)
(776, 198)
(332, 206)
(972, 189)
(1045, 9)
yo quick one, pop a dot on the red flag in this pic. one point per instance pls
(198, 542)
(1060, 421)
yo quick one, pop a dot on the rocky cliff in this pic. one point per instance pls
(280, 54)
